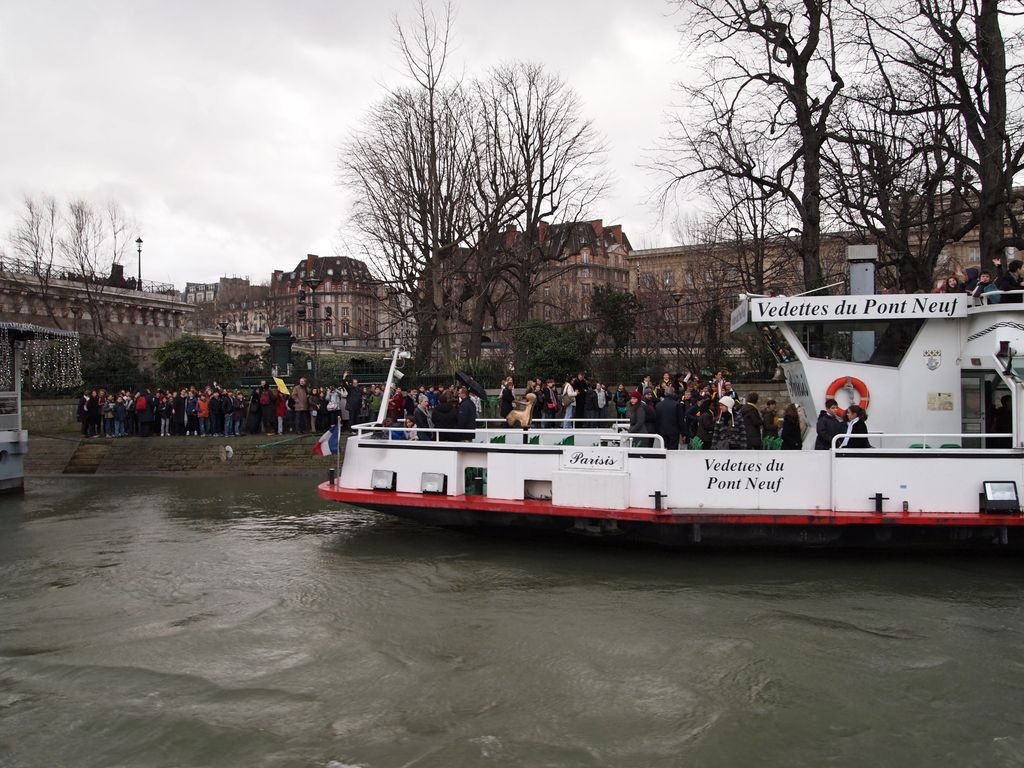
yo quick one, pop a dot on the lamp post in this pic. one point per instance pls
(312, 283)
(138, 244)
(223, 325)
(677, 297)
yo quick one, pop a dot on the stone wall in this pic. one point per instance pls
(49, 416)
(255, 455)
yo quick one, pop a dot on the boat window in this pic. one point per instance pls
(881, 343)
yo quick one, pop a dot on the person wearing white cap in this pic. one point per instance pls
(730, 432)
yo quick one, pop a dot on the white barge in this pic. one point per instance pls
(929, 369)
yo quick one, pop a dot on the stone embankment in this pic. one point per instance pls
(248, 455)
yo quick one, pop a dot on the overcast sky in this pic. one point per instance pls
(217, 124)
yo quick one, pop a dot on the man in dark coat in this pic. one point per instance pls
(1010, 281)
(355, 398)
(752, 421)
(830, 424)
(668, 419)
(465, 414)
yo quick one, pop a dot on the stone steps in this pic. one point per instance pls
(87, 457)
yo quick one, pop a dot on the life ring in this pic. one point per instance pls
(857, 384)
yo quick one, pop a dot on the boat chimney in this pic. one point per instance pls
(862, 260)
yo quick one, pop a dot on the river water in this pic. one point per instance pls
(242, 622)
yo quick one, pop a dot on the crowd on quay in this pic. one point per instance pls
(216, 410)
(683, 410)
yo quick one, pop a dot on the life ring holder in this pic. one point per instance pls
(859, 386)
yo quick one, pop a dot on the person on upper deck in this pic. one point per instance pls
(830, 424)
(1010, 281)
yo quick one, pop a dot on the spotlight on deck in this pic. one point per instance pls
(1000, 496)
(382, 480)
(434, 482)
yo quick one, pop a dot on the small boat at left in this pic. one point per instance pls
(51, 358)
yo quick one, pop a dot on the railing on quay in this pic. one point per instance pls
(55, 272)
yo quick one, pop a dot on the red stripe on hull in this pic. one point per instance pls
(527, 507)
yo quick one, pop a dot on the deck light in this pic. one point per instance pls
(434, 482)
(382, 480)
(1000, 496)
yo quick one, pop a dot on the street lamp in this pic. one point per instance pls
(138, 243)
(677, 297)
(223, 325)
(312, 283)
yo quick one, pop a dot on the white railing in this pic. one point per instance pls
(915, 442)
(617, 436)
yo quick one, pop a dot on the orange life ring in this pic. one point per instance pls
(857, 384)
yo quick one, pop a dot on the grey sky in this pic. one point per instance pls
(217, 124)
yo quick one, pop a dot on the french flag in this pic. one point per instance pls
(327, 445)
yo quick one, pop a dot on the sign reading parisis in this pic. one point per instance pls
(878, 307)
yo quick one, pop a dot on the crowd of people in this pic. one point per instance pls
(217, 410)
(982, 283)
(683, 410)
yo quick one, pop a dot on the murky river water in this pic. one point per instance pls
(240, 622)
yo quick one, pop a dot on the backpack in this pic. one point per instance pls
(265, 397)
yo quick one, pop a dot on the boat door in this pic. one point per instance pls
(980, 393)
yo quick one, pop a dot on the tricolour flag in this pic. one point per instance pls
(327, 445)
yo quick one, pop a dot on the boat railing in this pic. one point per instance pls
(914, 442)
(986, 297)
(615, 435)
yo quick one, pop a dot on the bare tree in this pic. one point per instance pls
(771, 77)
(892, 178)
(974, 80)
(411, 168)
(34, 245)
(557, 172)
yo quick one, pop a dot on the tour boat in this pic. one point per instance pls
(928, 368)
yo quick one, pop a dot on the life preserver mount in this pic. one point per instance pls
(853, 382)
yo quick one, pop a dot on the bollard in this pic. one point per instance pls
(330, 475)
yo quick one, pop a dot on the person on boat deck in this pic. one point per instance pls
(753, 421)
(638, 423)
(547, 405)
(855, 425)
(830, 424)
(1010, 281)
(985, 286)
(421, 419)
(507, 399)
(770, 419)
(581, 385)
(730, 429)
(568, 403)
(465, 414)
(445, 417)
(1002, 424)
(668, 419)
(792, 429)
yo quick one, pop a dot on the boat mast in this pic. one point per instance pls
(398, 354)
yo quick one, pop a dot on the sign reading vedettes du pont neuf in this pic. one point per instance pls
(878, 307)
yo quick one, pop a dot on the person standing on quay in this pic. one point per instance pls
(300, 395)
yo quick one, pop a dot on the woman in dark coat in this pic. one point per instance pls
(791, 439)
(445, 417)
(855, 425)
